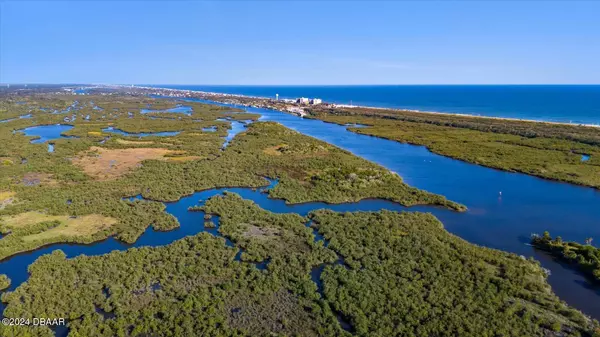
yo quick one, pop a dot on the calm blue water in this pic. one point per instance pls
(186, 110)
(527, 205)
(46, 132)
(236, 127)
(191, 223)
(558, 103)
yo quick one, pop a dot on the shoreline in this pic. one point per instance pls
(334, 105)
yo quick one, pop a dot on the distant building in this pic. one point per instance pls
(302, 100)
(277, 97)
(316, 101)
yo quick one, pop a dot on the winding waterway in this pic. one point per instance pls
(504, 208)
(191, 223)
(504, 221)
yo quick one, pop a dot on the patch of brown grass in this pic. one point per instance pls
(133, 142)
(105, 164)
(261, 232)
(275, 150)
(6, 198)
(69, 226)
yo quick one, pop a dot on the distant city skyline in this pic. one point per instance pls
(300, 43)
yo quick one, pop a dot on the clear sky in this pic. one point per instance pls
(304, 42)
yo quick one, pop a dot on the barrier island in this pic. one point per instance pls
(556, 151)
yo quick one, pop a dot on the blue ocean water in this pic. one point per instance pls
(557, 103)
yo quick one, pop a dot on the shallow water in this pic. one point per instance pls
(236, 127)
(209, 129)
(585, 157)
(46, 132)
(72, 107)
(183, 109)
(355, 125)
(14, 119)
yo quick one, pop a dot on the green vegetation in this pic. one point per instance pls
(403, 275)
(31, 230)
(546, 150)
(585, 256)
(311, 170)
(4, 282)
(91, 174)
(386, 273)
(282, 239)
(193, 287)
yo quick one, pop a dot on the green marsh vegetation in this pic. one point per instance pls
(193, 287)
(546, 150)
(281, 239)
(4, 282)
(91, 174)
(407, 276)
(584, 256)
(403, 275)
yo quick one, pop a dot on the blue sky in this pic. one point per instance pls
(304, 42)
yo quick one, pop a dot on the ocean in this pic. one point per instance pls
(578, 104)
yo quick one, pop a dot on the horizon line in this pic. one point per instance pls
(303, 85)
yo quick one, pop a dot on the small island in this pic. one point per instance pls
(4, 282)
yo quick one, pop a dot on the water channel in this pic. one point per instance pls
(504, 208)
(498, 220)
